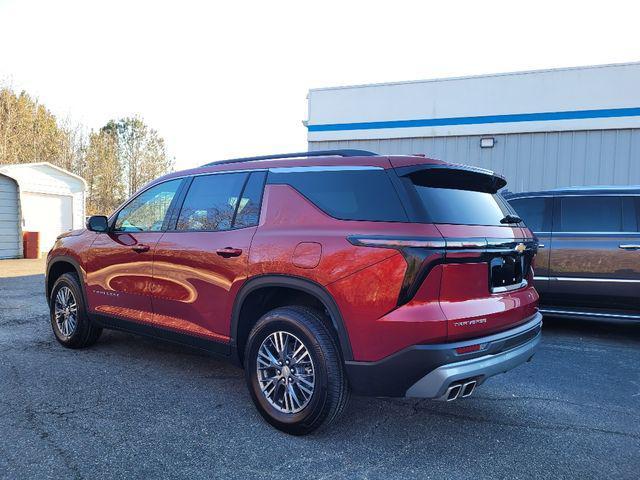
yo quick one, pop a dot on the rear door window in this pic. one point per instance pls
(535, 211)
(364, 193)
(597, 214)
(211, 202)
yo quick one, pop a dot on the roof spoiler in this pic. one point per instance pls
(461, 177)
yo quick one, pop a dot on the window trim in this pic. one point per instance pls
(593, 234)
(168, 215)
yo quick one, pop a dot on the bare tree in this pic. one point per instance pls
(141, 151)
(73, 146)
(115, 161)
(103, 172)
(28, 131)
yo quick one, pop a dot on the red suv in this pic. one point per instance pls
(321, 273)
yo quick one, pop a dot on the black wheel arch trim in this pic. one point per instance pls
(298, 283)
(75, 264)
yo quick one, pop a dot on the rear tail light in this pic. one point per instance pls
(422, 254)
(396, 242)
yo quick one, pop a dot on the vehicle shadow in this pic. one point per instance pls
(21, 299)
(9, 282)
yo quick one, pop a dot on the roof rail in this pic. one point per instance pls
(317, 153)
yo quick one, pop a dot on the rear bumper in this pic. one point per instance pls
(426, 371)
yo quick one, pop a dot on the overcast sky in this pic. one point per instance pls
(229, 78)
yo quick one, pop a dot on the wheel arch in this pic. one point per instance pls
(59, 266)
(298, 284)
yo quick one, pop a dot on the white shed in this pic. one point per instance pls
(47, 199)
(10, 234)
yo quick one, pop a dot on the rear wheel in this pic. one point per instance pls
(69, 320)
(294, 370)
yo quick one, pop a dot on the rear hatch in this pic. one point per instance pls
(487, 255)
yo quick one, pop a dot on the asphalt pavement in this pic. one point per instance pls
(133, 407)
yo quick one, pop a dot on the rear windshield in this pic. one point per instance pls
(448, 200)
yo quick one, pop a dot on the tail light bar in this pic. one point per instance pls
(422, 254)
(396, 242)
(384, 241)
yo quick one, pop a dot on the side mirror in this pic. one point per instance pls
(98, 223)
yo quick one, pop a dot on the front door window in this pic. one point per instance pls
(147, 212)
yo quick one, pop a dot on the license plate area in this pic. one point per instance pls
(506, 272)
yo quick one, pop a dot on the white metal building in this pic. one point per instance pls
(38, 197)
(541, 129)
(10, 231)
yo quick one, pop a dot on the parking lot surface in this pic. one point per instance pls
(133, 407)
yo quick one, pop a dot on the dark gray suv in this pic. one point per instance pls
(588, 262)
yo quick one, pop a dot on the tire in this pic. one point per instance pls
(297, 413)
(71, 331)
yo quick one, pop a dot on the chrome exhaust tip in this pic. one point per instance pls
(452, 392)
(467, 389)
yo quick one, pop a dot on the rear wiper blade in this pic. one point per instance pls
(511, 219)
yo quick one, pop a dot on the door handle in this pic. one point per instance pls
(140, 248)
(229, 252)
(629, 246)
(541, 245)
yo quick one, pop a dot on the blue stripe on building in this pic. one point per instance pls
(509, 118)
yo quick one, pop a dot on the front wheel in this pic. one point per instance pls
(294, 370)
(69, 320)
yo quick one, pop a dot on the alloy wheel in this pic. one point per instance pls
(66, 311)
(285, 370)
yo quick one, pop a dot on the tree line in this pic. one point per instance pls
(115, 160)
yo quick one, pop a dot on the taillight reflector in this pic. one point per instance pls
(468, 349)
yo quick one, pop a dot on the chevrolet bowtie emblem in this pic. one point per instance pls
(521, 247)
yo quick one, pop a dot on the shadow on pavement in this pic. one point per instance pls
(593, 328)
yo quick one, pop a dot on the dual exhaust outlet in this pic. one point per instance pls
(459, 390)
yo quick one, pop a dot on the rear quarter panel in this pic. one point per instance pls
(364, 281)
(288, 220)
